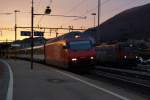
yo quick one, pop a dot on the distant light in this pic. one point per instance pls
(125, 57)
(74, 59)
(131, 45)
(92, 57)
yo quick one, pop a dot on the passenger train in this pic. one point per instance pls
(75, 52)
(117, 54)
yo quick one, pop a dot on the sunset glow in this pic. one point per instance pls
(59, 7)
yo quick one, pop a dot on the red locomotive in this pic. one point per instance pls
(71, 52)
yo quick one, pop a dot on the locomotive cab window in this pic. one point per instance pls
(80, 45)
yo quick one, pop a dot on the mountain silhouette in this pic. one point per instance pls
(130, 24)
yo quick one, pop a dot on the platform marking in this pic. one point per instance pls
(95, 86)
(9, 95)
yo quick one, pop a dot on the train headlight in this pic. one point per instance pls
(92, 58)
(125, 57)
(77, 36)
(74, 59)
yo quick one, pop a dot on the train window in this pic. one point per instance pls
(130, 49)
(80, 45)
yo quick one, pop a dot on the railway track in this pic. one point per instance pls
(141, 78)
(131, 76)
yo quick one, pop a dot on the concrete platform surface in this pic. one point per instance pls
(4, 81)
(47, 83)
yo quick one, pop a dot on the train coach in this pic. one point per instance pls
(117, 54)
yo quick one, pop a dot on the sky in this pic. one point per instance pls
(109, 8)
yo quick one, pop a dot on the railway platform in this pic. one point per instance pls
(47, 83)
(4, 81)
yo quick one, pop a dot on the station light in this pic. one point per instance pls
(48, 10)
(125, 57)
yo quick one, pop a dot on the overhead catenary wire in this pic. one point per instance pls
(89, 11)
(41, 18)
(103, 3)
(6, 13)
(128, 3)
(76, 6)
(73, 8)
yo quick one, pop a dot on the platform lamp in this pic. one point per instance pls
(16, 11)
(94, 14)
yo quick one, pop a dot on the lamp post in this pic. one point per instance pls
(99, 16)
(16, 23)
(94, 14)
(99, 12)
(32, 18)
(16, 11)
(47, 11)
